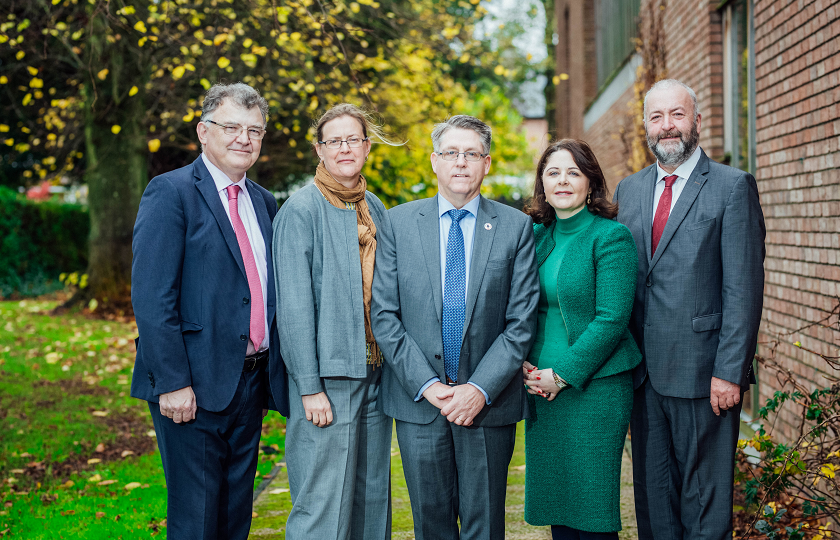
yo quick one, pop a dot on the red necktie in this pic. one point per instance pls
(663, 210)
(257, 327)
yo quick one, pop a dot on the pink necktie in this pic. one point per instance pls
(257, 327)
(663, 210)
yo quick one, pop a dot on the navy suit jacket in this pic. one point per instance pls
(190, 293)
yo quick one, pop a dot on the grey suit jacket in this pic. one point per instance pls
(699, 297)
(320, 307)
(501, 310)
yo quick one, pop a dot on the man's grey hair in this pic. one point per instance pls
(463, 121)
(670, 83)
(240, 93)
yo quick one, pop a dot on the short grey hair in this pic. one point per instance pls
(463, 121)
(665, 84)
(240, 93)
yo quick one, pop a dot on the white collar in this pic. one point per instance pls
(221, 179)
(684, 170)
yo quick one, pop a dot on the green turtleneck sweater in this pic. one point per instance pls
(550, 315)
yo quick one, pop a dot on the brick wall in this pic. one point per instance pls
(797, 125)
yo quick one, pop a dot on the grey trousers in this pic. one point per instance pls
(456, 472)
(339, 475)
(683, 466)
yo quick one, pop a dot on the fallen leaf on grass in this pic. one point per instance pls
(100, 447)
(100, 413)
(68, 484)
(132, 485)
(91, 461)
(8, 504)
(52, 358)
(254, 514)
(151, 433)
(95, 478)
(106, 482)
(26, 454)
(126, 453)
(68, 512)
(519, 468)
(18, 471)
(278, 491)
(100, 515)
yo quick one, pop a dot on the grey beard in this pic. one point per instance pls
(683, 151)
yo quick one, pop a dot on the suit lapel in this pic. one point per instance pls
(207, 187)
(428, 224)
(482, 242)
(265, 227)
(689, 194)
(648, 188)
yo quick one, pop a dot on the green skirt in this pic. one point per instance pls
(573, 449)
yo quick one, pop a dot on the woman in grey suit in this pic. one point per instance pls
(337, 442)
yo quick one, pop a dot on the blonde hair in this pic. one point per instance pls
(370, 128)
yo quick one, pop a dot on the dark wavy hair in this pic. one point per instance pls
(600, 205)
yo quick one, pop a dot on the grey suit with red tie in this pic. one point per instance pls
(695, 316)
(192, 304)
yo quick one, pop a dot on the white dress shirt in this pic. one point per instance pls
(682, 172)
(252, 230)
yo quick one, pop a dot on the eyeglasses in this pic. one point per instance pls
(352, 142)
(452, 155)
(235, 130)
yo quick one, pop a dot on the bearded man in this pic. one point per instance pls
(699, 231)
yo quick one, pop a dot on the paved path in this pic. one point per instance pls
(273, 504)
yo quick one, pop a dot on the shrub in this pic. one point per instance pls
(38, 241)
(789, 490)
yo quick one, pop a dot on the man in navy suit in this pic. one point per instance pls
(203, 295)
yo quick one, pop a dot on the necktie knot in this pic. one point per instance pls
(669, 180)
(458, 215)
(232, 192)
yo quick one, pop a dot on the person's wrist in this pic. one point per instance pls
(561, 384)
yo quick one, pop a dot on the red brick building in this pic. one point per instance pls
(767, 77)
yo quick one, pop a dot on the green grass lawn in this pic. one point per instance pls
(78, 458)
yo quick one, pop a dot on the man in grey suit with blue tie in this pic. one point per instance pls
(454, 303)
(700, 233)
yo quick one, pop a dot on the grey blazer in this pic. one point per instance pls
(699, 297)
(320, 308)
(501, 310)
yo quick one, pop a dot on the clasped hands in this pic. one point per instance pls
(539, 382)
(459, 404)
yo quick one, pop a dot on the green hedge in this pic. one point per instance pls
(39, 241)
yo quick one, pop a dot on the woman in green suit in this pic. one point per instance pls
(579, 370)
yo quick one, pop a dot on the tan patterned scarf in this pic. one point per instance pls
(338, 196)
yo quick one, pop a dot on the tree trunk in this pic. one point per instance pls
(116, 176)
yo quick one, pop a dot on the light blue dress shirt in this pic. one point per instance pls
(468, 228)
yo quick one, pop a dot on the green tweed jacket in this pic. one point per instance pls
(596, 286)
